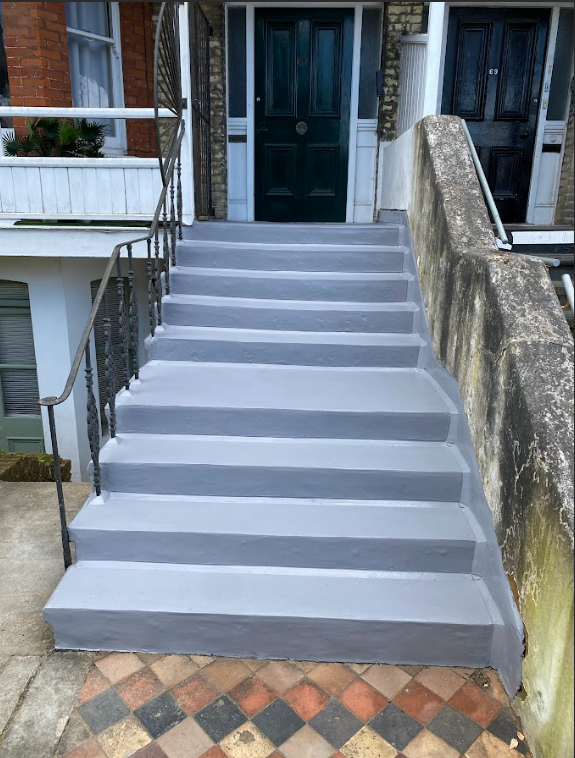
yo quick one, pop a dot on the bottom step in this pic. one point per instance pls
(302, 614)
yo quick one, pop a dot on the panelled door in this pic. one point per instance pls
(20, 419)
(302, 114)
(493, 77)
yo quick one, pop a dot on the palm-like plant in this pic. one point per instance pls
(57, 138)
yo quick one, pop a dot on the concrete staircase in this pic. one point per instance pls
(292, 476)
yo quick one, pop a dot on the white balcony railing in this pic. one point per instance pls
(111, 188)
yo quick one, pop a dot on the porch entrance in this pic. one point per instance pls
(302, 114)
(493, 76)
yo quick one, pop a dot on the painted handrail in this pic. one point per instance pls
(485, 187)
(16, 111)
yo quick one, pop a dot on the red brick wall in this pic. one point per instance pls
(137, 34)
(37, 54)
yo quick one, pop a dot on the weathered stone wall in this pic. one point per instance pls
(565, 210)
(497, 327)
(215, 13)
(400, 19)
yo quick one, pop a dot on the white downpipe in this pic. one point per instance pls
(568, 284)
(486, 188)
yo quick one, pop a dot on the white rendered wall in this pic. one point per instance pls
(396, 173)
(60, 302)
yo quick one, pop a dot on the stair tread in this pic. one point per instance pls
(280, 234)
(224, 334)
(388, 520)
(457, 599)
(249, 386)
(303, 276)
(282, 453)
(311, 305)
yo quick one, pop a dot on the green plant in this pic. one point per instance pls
(57, 138)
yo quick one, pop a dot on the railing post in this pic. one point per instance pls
(151, 288)
(93, 423)
(166, 247)
(123, 324)
(134, 316)
(59, 488)
(158, 273)
(110, 368)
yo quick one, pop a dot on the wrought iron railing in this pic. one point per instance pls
(161, 240)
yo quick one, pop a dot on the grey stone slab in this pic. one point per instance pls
(269, 532)
(290, 315)
(261, 467)
(210, 345)
(353, 258)
(14, 678)
(285, 401)
(40, 722)
(292, 285)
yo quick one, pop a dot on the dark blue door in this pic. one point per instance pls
(493, 77)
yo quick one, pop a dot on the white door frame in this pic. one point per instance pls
(354, 106)
(437, 51)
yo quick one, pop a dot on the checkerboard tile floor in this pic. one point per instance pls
(157, 706)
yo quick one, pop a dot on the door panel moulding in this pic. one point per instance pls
(241, 206)
(437, 51)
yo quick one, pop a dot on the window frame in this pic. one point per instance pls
(118, 144)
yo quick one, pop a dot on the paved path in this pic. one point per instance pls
(37, 688)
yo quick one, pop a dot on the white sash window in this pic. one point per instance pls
(95, 63)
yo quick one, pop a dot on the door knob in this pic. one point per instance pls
(301, 127)
(524, 135)
(264, 129)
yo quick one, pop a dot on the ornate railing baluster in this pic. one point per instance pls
(166, 248)
(173, 222)
(134, 316)
(168, 222)
(151, 289)
(93, 419)
(180, 199)
(110, 368)
(158, 275)
(123, 325)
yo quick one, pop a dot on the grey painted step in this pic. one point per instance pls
(265, 467)
(214, 345)
(290, 315)
(425, 619)
(294, 234)
(358, 258)
(291, 285)
(284, 401)
(385, 536)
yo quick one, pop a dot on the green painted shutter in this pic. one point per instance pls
(20, 417)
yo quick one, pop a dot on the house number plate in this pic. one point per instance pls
(301, 127)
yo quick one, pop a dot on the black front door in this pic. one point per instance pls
(493, 76)
(303, 92)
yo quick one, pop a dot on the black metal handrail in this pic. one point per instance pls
(161, 239)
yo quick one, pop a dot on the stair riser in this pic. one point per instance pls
(217, 351)
(241, 481)
(393, 291)
(227, 317)
(354, 641)
(293, 552)
(379, 260)
(250, 422)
